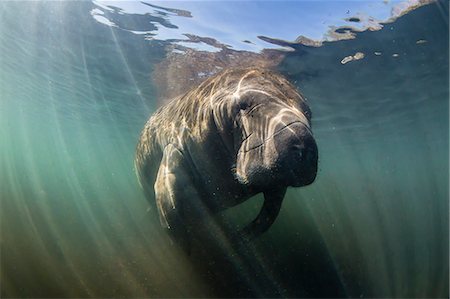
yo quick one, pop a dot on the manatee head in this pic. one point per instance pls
(269, 125)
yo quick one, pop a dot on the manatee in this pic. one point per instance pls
(239, 133)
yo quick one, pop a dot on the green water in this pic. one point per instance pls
(74, 95)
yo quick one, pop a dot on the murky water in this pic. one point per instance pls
(74, 95)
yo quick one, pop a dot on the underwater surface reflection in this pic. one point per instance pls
(74, 95)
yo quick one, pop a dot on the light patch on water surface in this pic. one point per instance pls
(357, 56)
(101, 19)
(199, 46)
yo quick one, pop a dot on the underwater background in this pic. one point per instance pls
(75, 94)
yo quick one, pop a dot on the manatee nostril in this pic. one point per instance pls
(308, 154)
(296, 151)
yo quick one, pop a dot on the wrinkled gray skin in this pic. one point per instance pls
(242, 132)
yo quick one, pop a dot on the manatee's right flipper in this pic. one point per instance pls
(173, 187)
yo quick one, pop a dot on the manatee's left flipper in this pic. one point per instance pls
(173, 187)
(267, 215)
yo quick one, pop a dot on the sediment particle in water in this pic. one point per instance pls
(357, 56)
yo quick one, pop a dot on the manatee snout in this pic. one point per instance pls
(288, 157)
(297, 154)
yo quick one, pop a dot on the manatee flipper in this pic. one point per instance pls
(267, 215)
(173, 186)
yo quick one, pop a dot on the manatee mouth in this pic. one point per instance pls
(286, 127)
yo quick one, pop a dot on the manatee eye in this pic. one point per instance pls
(243, 105)
(306, 113)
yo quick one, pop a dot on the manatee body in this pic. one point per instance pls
(239, 133)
